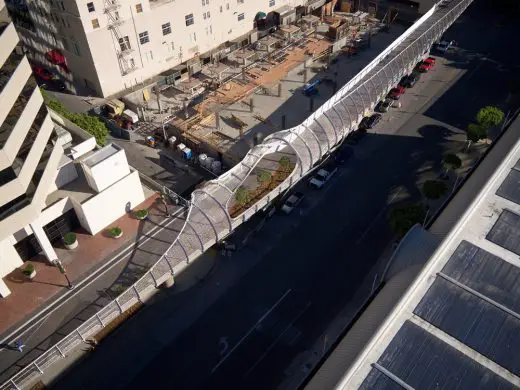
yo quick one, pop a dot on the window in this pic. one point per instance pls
(139, 8)
(220, 8)
(132, 63)
(207, 2)
(189, 19)
(204, 15)
(203, 2)
(144, 38)
(62, 6)
(149, 56)
(116, 15)
(240, 1)
(271, 3)
(95, 23)
(166, 29)
(240, 17)
(124, 43)
(208, 14)
(76, 49)
(227, 6)
(90, 7)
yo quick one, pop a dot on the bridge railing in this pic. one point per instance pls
(363, 86)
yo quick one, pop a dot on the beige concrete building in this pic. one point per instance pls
(107, 46)
(53, 177)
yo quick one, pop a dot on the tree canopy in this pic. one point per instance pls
(451, 162)
(242, 195)
(489, 116)
(264, 177)
(403, 217)
(434, 189)
(476, 132)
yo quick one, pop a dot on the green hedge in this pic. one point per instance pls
(90, 123)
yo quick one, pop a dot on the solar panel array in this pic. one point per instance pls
(470, 313)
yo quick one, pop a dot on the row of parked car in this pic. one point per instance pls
(344, 153)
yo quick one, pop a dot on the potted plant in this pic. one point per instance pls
(29, 271)
(70, 241)
(141, 214)
(115, 232)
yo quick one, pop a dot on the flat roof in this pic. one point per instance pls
(101, 154)
(458, 326)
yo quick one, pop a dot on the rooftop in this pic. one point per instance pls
(458, 326)
(101, 154)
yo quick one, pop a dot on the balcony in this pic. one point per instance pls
(111, 5)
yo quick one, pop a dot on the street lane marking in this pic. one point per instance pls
(278, 339)
(59, 302)
(251, 330)
(377, 218)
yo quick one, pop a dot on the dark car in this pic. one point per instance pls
(410, 80)
(343, 155)
(384, 105)
(369, 122)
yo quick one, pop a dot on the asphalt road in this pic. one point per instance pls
(253, 331)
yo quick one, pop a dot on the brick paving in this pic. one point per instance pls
(28, 296)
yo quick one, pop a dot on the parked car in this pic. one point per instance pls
(430, 60)
(369, 122)
(423, 67)
(396, 93)
(384, 105)
(412, 79)
(292, 202)
(444, 46)
(343, 155)
(323, 176)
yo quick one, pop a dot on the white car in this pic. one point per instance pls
(292, 202)
(322, 177)
(444, 46)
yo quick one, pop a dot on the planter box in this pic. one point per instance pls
(74, 245)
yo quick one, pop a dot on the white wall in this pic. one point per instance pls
(107, 172)
(9, 258)
(103, 209)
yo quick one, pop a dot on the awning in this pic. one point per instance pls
(55, 56)
(260, 15)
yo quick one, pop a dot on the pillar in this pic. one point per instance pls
(169, 282)
(44, 242)
(4, 290)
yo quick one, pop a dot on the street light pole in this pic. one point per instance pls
(63, 271)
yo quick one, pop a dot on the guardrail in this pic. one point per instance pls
(207, 220)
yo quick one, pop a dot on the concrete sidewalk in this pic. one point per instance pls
(43, 311)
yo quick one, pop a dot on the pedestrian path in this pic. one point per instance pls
(41, 312)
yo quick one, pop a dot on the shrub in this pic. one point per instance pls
(285, 163)
(451, 162)
(28, 269)
(264, 177)
(90, 123)
(115, 231)
(141, 213)
(242, 195)
(69, 238)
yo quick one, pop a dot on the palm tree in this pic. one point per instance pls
(451, 162)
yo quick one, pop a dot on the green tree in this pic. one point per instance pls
(90, 123)
(451, 162)
(264, 178)
(434, 189)
(242, 195)
(475, 133)
(489, 116)
(403, 217)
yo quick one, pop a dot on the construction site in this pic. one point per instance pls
(222, 106)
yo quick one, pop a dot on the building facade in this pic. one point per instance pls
(53, 177)
(107, 46)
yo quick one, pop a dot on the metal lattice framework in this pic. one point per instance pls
(207, 219)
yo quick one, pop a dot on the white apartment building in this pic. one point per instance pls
(111, 45)
(53, 178)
